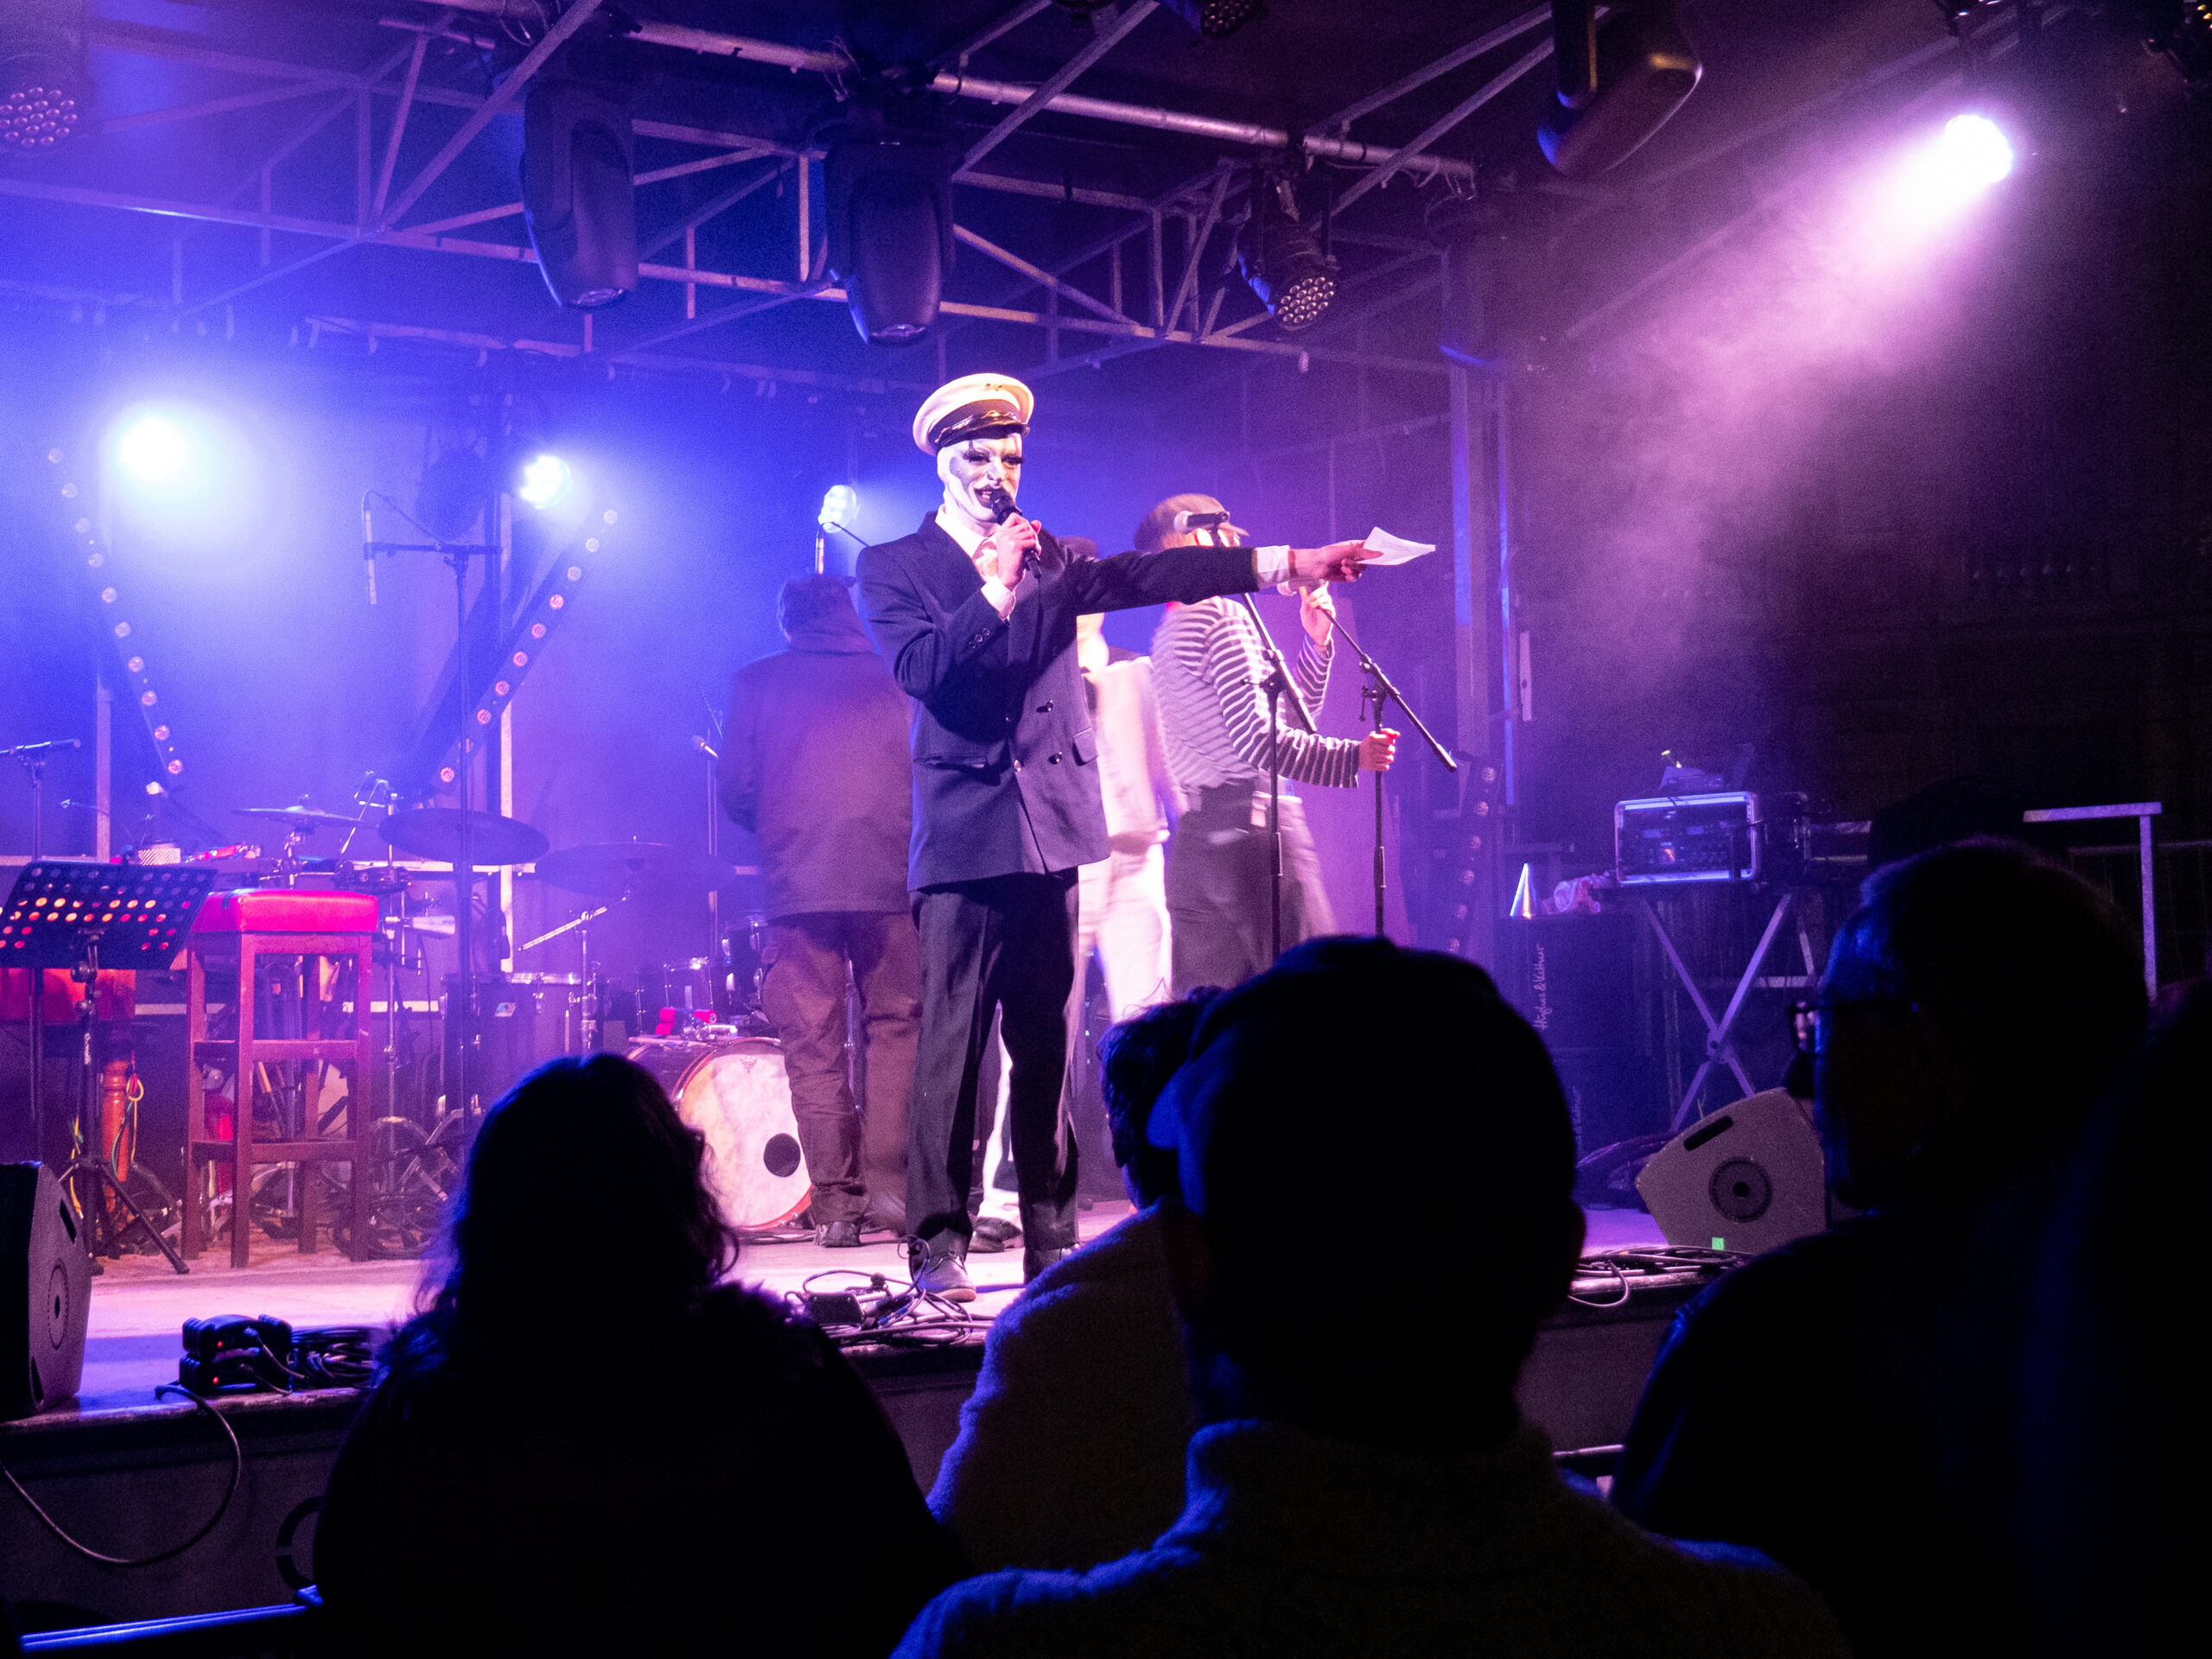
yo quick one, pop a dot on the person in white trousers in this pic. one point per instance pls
(1123, 897)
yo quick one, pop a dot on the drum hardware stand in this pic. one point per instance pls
(456, 556)
(32, 758)
(587, 1031)
(1379, 694)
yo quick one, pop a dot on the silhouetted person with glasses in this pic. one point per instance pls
(1841, 1402)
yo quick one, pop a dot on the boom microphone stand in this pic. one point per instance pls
(1380, 694)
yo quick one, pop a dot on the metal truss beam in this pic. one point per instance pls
(957, 57)
(552, 41)
(213, 106)
(1210, 129)
(1037, 274)
(1444, 66)
(1058, 81)
(1444, 123)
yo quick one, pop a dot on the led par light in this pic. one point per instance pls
(46, 84)
(1282, 259)
(1215, 18)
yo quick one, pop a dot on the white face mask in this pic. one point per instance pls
(973, 468)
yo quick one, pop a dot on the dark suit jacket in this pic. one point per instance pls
(814, 764)
(1004, 773)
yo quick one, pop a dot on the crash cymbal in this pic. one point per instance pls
(302, 819)
(435, 832)
(614, 868)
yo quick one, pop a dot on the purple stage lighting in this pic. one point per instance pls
(543, 481)
(153, 452)
(1969, 155)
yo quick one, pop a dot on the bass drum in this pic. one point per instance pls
(733, 1091)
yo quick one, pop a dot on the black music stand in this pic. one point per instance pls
(69, 914)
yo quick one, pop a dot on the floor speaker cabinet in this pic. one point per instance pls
(1748, 1178)
(46, 1287)
(1580, 981)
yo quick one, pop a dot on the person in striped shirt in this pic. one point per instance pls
(1207, 669)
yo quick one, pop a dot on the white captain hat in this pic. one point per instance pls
(975, 405)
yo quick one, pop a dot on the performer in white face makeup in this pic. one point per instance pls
(977, 619)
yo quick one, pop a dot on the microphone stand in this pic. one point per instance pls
(457, 556)
(1277, 683)
(1380, 694)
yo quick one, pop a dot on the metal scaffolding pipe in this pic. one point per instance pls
(1249, 134)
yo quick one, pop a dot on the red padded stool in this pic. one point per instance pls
(284, 936)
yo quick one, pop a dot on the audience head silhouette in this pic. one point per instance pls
(1974, 1006)
(1350, 1048)
(1136, 1059)
(595, 1133)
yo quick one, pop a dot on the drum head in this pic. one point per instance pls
(734, 1092)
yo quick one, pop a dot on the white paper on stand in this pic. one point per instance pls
(1383, 547)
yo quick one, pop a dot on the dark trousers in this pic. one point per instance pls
(1007, 943)
(1219, 891)
(849, 1154)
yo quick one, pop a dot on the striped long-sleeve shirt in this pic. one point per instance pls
(1206, 666)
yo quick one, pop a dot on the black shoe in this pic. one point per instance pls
(1034, 1262)
(938, 1269)
(993, 1234)
(838, 1234)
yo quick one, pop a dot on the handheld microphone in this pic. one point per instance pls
(1049, 556)
(1186, 521)
(369, 549)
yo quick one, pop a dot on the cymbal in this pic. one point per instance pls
(614, 869)
(302, 819)
(435, 832)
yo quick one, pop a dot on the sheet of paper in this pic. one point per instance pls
(1383, 547)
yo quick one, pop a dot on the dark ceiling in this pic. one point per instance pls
(122, 214)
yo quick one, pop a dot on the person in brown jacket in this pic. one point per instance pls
(814, 762)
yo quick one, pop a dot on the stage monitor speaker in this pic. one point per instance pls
(45, 1288)
(1748, 1178)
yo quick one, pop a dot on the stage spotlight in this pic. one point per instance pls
(1619, 82)
(578, 196)
(1281, 258)
(1940, 178)
(45, 83)
(153, 452)
(890, 230)
(543, 481)
(1974, 152)
(839, 503)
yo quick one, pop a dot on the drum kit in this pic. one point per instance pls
(694, 1023)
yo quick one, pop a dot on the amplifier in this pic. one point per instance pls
(1678, 838)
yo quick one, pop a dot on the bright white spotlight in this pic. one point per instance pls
(1970, 154)
(1975, 149)
(152, 451)
(545, 478)
(838, 506)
